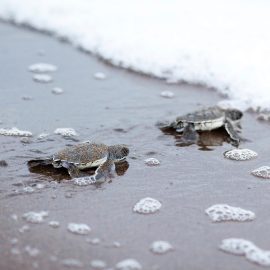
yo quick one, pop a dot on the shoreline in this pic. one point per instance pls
(123, 108)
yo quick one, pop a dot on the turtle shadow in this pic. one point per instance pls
(60, 174)
(206, 139)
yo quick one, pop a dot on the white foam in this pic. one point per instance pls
(15, 251)
(42, 136)
(161, 247)
(265, 116)
(84, 181)
(147, 206)
(33, 252)
(70, 262)
(100, 76)
(66, 132)
(14, 241)
(128, 264)
(24, 228)
(138, 35)
(54, 224)
(94, 241)
(224, 212)
(79, 228)
(252, 253)
(151, 161)
(262, 172)
(240, 154)
(35, 217)
(42, 68)
(28, 189)
(15, 132)
(98, 264)
(57, 91)
(167, 94)
(42, 78)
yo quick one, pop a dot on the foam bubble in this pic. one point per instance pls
(15, 251)
(264, 116)
(33, 252)
(42, 68)
(151, 162)
(167, 94)
(42, 78)
(24, 228)
(35, 217)
(240, 154)
(262, 172)
(14, 217)
(94, 241)
(70, 262)
(116, 244)
(84, 181)
(100, 76)
(28, 189)
(244, 247)
(54, 224)
(57, 91)
(66, 132)
(14, 241)
(42, 136)
(147, 206)
(161, 247)
(128, 264)
(40, 186)
(79, 228)
(15, 132)
(224, 212)
(98, 264)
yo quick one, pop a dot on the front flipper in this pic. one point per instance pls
(190, 135)
(73, 170)
(105, 170)
(235, 138)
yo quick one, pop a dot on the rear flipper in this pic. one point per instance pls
(39, 162)
(235, 138)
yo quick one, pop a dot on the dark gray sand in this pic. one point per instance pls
(121, 109)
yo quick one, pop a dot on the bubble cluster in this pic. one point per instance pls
(262, 172)
(252, 253)
(70, 262)
(84, 181)
(57, 91)
(161, 247)
(66, 132)
(128, 264)
(54, 224)
(42, 78)
(78, 228)
(15, 132)
(100, 76)
(224, 212)
(151, 162)
(35, 217)
(42, 68)
(33, 252)
(167, 94)
(240, 154)
(98, 264)
(147, 206)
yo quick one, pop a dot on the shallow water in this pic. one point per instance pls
(123, 108)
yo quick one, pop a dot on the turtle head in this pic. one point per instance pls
(234, 114)
(118, 152)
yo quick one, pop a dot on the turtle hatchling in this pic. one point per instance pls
(84, 156)
(206, 120)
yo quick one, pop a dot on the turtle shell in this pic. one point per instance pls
(83, 155)
(205, 119)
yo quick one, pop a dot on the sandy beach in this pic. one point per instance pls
(123, 108)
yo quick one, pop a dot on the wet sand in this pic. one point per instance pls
(120, 109)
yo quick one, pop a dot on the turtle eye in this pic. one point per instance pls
(124, 151)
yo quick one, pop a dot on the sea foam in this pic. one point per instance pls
(138, 35)
(147, 206)
(224, 212)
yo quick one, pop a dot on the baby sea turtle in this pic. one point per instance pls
(84, 156)
(206, 120)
